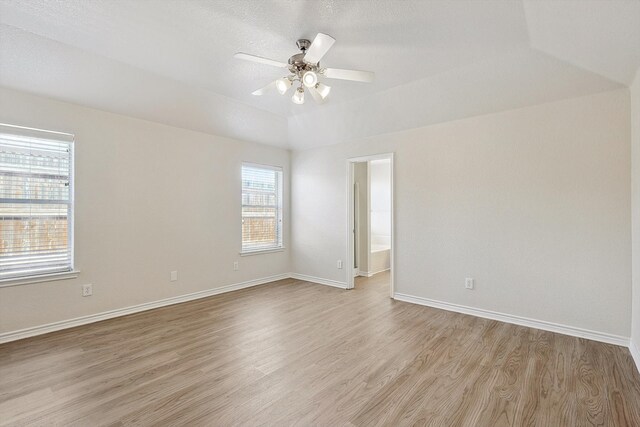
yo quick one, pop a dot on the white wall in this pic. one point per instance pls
(533, 203)
(380, 202)
(149, 199)
(635, 152)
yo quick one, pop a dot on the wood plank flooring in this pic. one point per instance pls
(296, 353)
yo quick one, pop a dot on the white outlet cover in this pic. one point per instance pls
(468, 283)
(87, 290)
(174, 276)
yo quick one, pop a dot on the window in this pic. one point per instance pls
(36, 202)
(261, 208)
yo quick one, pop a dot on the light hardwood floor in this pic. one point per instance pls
(295, 353)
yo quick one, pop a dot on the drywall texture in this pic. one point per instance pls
(635, 154)
(77, 76)
(533, 203)
(520, 79)
(149, 199)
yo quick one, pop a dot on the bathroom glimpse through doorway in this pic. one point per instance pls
(370, 219)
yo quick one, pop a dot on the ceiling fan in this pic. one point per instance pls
(305, 69)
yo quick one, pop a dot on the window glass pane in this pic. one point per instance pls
(261, 208)
(35, 204)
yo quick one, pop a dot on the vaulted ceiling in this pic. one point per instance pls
(172, 61)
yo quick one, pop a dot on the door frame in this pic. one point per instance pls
(356, 227)
(350, 235)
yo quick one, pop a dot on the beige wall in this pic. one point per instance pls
(635, 150)
(149, 199)
(533, 203)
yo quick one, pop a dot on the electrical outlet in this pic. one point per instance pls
(468, 283)
(87, 290)
(174, 276)
(339, 263)
(236, 266)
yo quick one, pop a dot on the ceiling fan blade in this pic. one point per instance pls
(260, 60)
(315, 95)
(265, 89)
(354, 75)
(319, 47)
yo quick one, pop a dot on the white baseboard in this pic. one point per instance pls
(539, 324)
(320, 280)
(635, 353)
(518, 320)
(372, 273)
(83, 320)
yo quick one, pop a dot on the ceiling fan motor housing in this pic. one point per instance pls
(303, 44)
(297, 65)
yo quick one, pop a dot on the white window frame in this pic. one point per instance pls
(69, 272)
(279, 246)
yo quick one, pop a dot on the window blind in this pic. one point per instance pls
(261, 207)
(36, 202)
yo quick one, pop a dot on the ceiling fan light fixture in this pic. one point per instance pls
(304, 68)
(310, 79)
(298, 96)
(283, 85)
(323, 90)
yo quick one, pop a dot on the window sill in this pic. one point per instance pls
(27, 280)
(262, 251)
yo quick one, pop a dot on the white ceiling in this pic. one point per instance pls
(172, 61)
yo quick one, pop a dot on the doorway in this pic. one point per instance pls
(370, 231)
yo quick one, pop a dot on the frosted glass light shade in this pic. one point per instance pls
(309, 79)
(323, 90)
(298, 97)
(283, 85)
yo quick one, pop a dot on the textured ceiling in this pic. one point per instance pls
(599, 36)
(520, 78)
(172, 61)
